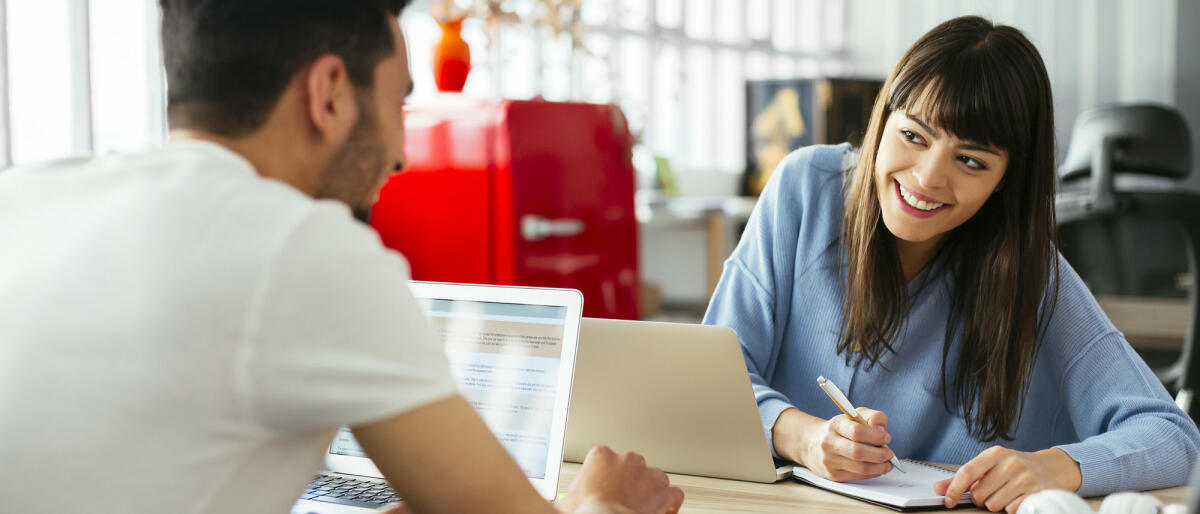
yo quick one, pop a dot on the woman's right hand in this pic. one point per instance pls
(839, 448)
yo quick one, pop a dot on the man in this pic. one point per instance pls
(184, 329)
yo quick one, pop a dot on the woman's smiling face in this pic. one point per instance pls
(929, 181)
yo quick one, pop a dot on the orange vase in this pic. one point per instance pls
(451, 58)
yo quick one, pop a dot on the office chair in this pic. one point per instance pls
(1193, 497)
(1125, 223)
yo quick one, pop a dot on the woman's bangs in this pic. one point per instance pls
(961, 99)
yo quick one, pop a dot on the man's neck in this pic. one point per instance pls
(270, 159)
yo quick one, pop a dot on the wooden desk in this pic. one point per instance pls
(1149, 323)
(703, 494)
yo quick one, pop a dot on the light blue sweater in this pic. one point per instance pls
(1090, 394)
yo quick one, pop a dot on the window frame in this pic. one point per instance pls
(830, 54)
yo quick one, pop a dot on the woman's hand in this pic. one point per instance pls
(839, 448)
(1000, 478)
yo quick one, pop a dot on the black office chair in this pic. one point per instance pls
(1140, 235)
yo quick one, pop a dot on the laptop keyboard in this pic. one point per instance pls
(345, 490)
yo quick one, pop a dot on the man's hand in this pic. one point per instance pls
(608, 482)
(421, 452)
(1000, 478)
(839, 448)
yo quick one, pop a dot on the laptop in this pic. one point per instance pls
(512, 353)
(678, 394)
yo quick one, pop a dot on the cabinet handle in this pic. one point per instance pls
(537, 228)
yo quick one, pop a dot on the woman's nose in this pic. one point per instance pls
(930, 174)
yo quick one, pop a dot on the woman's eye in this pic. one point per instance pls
(971, 162)
(911, 136)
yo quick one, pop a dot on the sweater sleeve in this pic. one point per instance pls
(751, 296)
(1133, 436)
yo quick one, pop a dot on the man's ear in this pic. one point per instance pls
(331, 106)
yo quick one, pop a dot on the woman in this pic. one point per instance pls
(921, 277)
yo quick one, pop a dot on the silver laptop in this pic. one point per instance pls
(678, 394)
(512, 353)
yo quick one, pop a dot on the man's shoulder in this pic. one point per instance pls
(223, 192)
(203, 192)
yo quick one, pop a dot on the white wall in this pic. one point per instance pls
(1187, 82)
(1096, 51)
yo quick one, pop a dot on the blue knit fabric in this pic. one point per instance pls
(1090, 394)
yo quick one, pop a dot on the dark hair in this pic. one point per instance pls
(987, 84)
(228, 61)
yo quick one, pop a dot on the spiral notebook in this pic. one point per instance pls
(911, 489)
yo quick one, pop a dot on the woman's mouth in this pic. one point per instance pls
(916, 204)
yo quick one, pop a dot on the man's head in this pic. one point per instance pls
(311, 91)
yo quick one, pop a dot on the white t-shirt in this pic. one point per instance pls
(178, 334)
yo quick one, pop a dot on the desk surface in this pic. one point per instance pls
(702, 494)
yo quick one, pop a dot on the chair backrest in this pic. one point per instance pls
(1140, 239)
(1149, 139)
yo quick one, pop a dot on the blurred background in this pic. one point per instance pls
(616, 146)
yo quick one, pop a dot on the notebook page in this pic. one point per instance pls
(912, 487)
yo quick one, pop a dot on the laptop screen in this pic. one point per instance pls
(505, 358)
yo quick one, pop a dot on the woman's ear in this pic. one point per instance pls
(331, 106)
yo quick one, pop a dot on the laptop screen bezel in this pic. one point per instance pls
(572, 300)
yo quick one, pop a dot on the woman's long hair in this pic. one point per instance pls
(986, 84)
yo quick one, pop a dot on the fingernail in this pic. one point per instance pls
(887, 438)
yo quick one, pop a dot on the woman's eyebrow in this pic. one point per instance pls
(937, 135)
(917, 118)
(970, 146)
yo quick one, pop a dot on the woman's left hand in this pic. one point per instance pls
(1000, 478)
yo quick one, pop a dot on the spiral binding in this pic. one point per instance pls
(927, 465)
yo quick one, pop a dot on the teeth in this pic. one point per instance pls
(919, 204)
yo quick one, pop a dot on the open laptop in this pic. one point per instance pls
(678, 394)
(512, 353)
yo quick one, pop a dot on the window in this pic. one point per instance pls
(127, 81)
(79, 77)
(82, 77)
(41, 102)
(677, 68)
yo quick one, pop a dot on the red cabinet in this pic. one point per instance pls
(528, 193)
